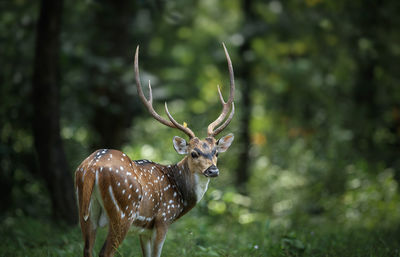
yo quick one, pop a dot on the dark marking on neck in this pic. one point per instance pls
(182, 177)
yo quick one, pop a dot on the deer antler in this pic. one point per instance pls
(225, 105)
(149, 103)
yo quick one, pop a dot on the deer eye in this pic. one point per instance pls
(194, 155)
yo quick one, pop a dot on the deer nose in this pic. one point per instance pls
(212, 171)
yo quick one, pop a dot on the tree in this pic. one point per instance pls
(244, 73)
(113, 106)
(46, 126)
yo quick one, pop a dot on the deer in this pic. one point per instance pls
(144, 196)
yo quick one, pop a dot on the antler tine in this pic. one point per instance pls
(225, 105)
(231, 76)
(149, 103)
(184, 129)
(226, 123)
(150, 94)
(220, 95)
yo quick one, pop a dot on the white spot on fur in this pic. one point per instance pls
(110, 191)
(97, 177)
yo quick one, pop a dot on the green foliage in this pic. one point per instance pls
(36, 237)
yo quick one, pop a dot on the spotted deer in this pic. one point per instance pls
(145, 196)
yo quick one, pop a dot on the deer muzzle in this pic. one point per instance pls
(211, 171)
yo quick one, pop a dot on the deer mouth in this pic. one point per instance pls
(211, 171)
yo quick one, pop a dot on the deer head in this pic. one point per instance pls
(201, 155)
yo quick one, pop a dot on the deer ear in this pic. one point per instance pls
(180, 145)
(224, 143)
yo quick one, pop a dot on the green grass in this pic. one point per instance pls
(203, 235)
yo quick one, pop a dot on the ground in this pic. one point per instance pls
(197, 234)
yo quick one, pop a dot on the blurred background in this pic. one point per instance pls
(317, 123)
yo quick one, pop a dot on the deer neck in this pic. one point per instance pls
(192, 186)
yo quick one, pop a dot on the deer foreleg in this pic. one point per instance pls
(158, 239)
(145, 243)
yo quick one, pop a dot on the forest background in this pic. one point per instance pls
(314, 169)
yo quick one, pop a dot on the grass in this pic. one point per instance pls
(203, 235)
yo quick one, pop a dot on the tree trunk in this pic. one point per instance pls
(46, 126)
(242, 171)
(113, 116)
(243, 167)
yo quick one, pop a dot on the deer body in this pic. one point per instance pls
(141, 191)
(142, 195)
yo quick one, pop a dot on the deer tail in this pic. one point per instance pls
(84, 181)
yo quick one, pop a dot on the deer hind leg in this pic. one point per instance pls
(116, 234)
(89, 235)
(119, 224)
(89, 227)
